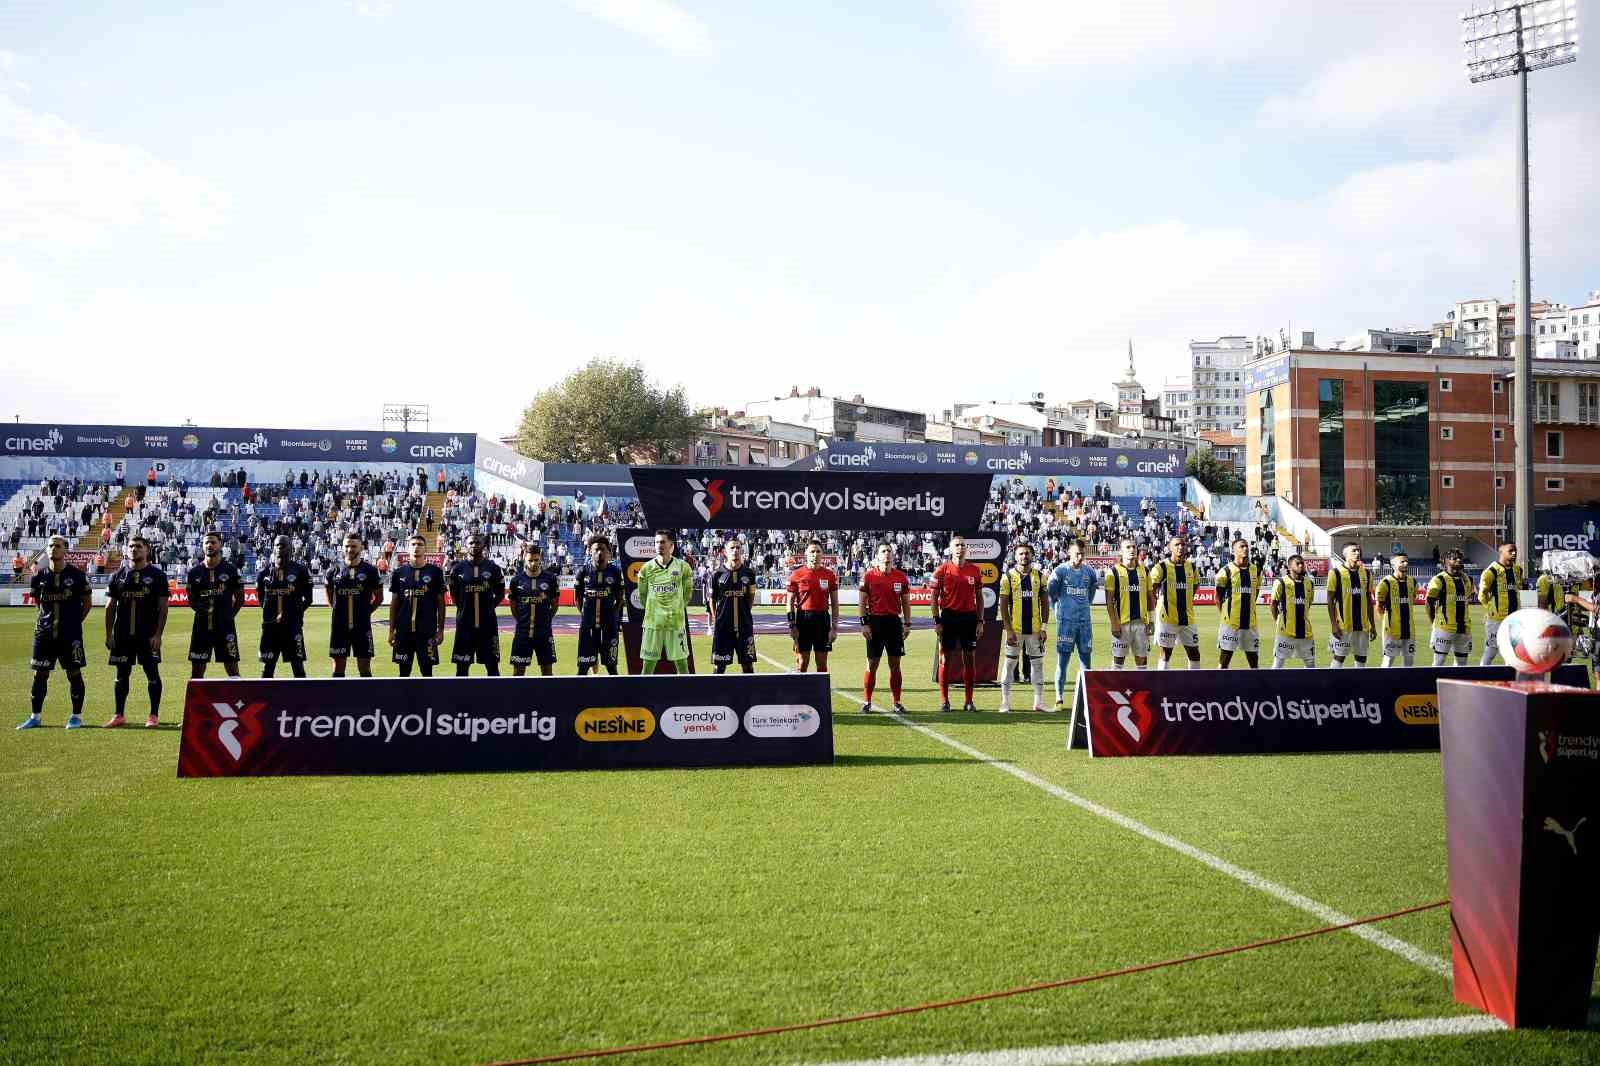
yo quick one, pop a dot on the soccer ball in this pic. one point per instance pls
(1534, 641)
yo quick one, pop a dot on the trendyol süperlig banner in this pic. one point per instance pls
(687, 497)
(234, 445)
(256, 728)
(1263, 712)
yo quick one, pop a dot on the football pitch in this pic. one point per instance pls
(470, 918)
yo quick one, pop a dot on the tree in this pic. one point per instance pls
(1216, 475)
(607, 412)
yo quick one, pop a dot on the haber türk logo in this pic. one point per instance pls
(707, 497)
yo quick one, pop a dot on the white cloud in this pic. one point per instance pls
(11, 64)
(662, 22)
(374, 9)
(61, 189)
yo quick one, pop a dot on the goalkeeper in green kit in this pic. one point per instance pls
(666, 585)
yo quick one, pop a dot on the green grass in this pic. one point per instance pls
(466, 918)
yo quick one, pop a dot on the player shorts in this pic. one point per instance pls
(1304, 649)
(408, 646)
(659, 642)
(344, 642)
(597, 645)
(1075, 636)
(1030, 645)
(1245, 640)
(1491, 630)
(530, 647)
(726, 646)
(812, 629)
(1447, 643)
(49, 650)
(1402, 648)
(960, 630)
(127, 650)
(1170, 636)
(480, 645)
(1135, 640)
(281, 642)
(1357, 643)
(886, 635)
(204, 644)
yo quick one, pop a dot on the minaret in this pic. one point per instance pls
(1130, 394)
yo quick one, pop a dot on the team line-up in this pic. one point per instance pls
(1141, 600)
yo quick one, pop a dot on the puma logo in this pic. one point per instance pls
(1570, 835)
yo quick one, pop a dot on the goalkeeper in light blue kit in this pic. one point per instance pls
(665, 586)
(1071, 588)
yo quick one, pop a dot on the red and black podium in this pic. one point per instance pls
(1522, 823)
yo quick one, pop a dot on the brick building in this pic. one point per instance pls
(1423, 439)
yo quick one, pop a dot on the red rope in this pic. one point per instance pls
(893, 1012)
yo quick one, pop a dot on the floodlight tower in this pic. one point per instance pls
(1501, 39)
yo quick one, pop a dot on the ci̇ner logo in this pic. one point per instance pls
(707, 497)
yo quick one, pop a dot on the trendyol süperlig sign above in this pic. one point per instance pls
(208, 442)
(687, 497)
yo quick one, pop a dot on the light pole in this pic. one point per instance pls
(1501, 39)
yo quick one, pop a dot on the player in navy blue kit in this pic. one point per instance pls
(355, 590)
(62, 594)
(535, 594)
(477, 584)
(730, 592)
(216, 595)
(416, 611)
(136, 616)
(284, 588)
(599, 592)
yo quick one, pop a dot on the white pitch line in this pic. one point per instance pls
(1412, 954)
(1182, 1047)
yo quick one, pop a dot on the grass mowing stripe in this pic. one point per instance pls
(1410, 952)
(1183, 1047)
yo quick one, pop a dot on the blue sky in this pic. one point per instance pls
(340, 203)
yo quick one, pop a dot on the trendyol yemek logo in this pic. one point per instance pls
(707, 496)
(46, 443)
(240, 727)
(254, 446)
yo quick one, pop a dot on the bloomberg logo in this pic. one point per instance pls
(437, 451)
(254, 446)
(46, 443)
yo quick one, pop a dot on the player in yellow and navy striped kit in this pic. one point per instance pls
(1499, 590)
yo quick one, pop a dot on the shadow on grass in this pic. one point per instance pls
(847, 719)
(849, 761)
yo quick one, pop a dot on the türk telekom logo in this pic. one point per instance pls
(707, 497)
(1133, 713)
(240, 727)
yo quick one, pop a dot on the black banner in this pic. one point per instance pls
(254, 728)
(688, 497)
(1264, 712)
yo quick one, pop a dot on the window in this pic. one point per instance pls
(1499, 433)
(1499, 482)
(1444, 384)
(1498, 386)
(1447, 433)
(1589, 403)
(1555, 484)
(1552, 445)
(1402, 468)
(1269, 449)
(1330, 442)
(1448, 481)
(1546, 400)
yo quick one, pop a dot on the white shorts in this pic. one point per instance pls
(1287, 648)
(1245, 640)
(1445, 643)
(1490, 628)
(1168, 636)
(1396, 648)
(1134, 640)
(1029, 644)
(1357, 642)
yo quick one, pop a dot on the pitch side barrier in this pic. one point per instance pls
(261, 728)
(1269, 712)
